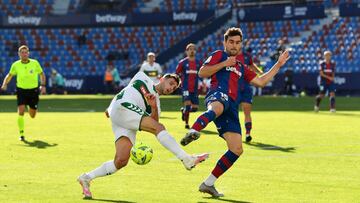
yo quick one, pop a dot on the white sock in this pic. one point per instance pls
(170, 143)
(210, 180)
(107, 168)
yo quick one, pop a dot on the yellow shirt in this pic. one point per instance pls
(27, 74)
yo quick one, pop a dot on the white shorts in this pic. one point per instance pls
(125, 119)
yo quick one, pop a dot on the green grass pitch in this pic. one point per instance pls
(296, 155)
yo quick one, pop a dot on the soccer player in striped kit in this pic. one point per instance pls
(188, 69)
(327, 76)
(246, 92)
(222, 101)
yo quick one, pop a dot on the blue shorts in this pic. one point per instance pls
(228, 121)
(246, 95)
(323, 88)
(190, 96)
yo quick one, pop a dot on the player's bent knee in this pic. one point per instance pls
(237, 150)
(121, 162)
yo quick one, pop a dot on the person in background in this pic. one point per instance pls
(57, 82)
(27, 72)
(108, 80)
(116, 77)
(327, 76)
(151, 68)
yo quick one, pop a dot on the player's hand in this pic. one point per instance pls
(284, 57)
(151, 99)
(231, 61)
(42, 90)
(3, 87)
(107, 113)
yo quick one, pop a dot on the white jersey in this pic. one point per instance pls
(135, 91)
(129, 106)
(153, 71)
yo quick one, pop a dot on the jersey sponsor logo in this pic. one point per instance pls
(234, 70)
(152, 73)
(191, 72)
(328, 71)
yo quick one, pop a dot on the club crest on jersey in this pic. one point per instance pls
(233, 69)
(31, 71)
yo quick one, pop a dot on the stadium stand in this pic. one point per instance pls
(341, 35)
(181, 5)
(58, 47)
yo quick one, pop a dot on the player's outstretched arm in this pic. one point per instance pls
(208, 70)
(6, 81)
(266, 77)
(256, 69)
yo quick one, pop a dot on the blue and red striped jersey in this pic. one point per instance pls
(328, 69)
(229, 79)
(188, 71)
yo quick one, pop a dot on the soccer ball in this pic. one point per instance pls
(141, 153)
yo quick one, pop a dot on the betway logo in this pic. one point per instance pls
(340, 80)
(184, 16)
(233, 69)
(110, 18)
(74, 83)
(23, 20)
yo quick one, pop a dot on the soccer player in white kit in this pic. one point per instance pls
(137, 107)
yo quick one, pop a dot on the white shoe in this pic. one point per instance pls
(193, 160)
(316, 108)
(210, 190)
(332, 110)
(84, 181)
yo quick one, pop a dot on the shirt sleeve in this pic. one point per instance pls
(142, 67)
(250, 60)
(249, 75)
(214, 58)
(179, 68)
(321, 67)
(13, 70)
(38, 68)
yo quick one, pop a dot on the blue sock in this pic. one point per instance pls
(202, 121)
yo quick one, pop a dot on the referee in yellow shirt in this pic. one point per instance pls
(27, 73)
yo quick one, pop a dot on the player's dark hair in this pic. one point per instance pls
(233, 31)
(174, 76)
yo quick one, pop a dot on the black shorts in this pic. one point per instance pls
(28, 97)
